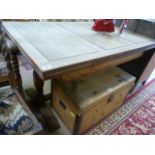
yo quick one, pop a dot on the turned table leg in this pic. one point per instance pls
(39, 102)
(39, 84)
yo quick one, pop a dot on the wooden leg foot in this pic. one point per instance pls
(49, 118)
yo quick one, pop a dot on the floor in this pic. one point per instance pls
(28, 83)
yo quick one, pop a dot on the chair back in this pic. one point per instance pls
(10, 51)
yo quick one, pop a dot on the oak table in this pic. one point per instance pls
(71, 50)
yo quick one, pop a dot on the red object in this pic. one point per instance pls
(103, 25)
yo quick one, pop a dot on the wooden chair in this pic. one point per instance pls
(15, 115)
(4, 79)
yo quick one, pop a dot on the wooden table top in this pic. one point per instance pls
(53, 47)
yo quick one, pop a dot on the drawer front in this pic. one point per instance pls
(102, 109)
(115, 100)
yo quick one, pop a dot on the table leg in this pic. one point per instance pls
(39, 101)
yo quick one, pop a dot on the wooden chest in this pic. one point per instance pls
(82, 103)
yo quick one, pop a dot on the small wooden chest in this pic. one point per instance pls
(82, 103)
